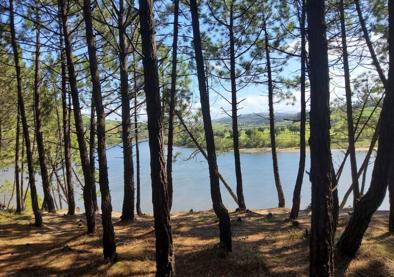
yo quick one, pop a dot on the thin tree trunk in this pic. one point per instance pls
(83, 152)
(369, 43)
(234, 113)
(128, 168)
(23, 196)
(170, 139)
(92, 157)
(25, 126)
(301, 166)
(49, 201)
(349, 107)
(362, 169)
(202, 151)
(391, 198)
(106, 207)
(165, 259)
(137, 147)
(220, 210)
(16, 163)
(66, 128)
(352, 237)
(278, 185)
(323, 220)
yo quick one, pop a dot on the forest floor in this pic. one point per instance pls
(265, 243)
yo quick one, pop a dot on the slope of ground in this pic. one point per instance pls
(265, 244)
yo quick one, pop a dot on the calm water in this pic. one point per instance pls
(191, 180)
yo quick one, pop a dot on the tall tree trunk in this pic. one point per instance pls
(301, 165)
(136, 138)
(25, 126)
(23, 196)
(128, 168)
(391, 198)
(220, 210)
(281, 196)
(1, 137)
(349, 107)
(83, 152)
(352, 237)
(106, 207)
(16, 164)
(234, 113)
(92, 149)
(66, 128)
(170, 139)
(165, 259)
(322, 177)
(49, 202)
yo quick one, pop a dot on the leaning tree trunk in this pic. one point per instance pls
(351, 238)
(281, 196)
(165, 259)
(349, 108)
(49, 202)
(25, 126)
(234, 113)
(322, 177)
(83, 151)
(367, 39)
(106, 207)
(66, 128)
(220, 210)
(128, 168)
(170, 139)
(301, 166)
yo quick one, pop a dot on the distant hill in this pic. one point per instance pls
(259, 118)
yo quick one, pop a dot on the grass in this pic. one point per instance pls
(264, 244)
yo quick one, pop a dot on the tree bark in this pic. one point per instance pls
(128, 168)
(25, 126)
(351, 238)
(136, 138)
(323, 220)
(391, 198)
(220, 210)
(66, 128)
(165, 259)
(278, 185)
(234, 113)
(170, 139)
(106, 207)
(49, 202)
(92, 151)
(349, 107)
(16, 163)
(83, 152)
(301, 166)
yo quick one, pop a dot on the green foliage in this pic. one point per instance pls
(256, 135)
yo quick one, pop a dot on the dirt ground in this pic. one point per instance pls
(263, 245)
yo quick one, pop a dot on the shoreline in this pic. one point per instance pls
(289, 150)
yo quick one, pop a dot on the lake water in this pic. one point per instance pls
(191, 179)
